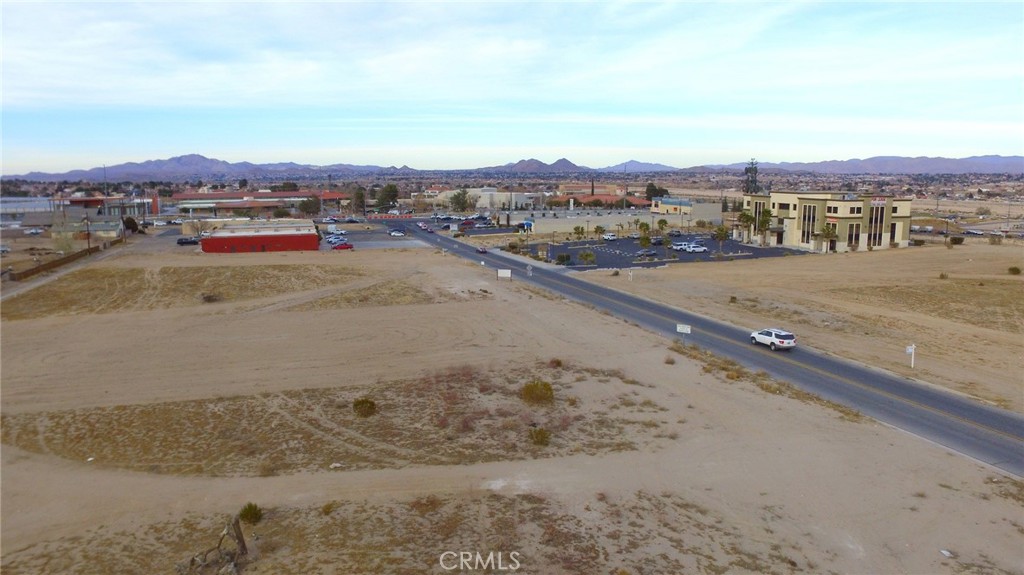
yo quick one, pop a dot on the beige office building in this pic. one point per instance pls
(856, 221)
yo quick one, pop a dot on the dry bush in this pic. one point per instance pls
(538, 392)
(251, 513)
(540, 436)
(364, 407)
(425, 505)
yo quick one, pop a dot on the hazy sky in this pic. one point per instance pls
(473, 84)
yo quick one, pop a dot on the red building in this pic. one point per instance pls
(259, 236)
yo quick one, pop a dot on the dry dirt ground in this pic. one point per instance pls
(146, 397)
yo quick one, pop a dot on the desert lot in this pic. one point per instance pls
(148, 395)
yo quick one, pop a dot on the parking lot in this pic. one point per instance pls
(623, 252)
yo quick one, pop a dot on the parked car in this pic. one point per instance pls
(481, 250)
(657, 241)
(681, 246)
(675, 233)
(646, 253)
(342, 246)
(396, 233)
(774, 338)
(177, 221)
(33, 231)
(634, 235)
(609, 237)
(695, 248)
(5, 249)
(188, 241)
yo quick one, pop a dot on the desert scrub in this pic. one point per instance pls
(540, 436)
(364, 407)
(1014, 271)
(538, 392)
(328, 508)
(251, 513)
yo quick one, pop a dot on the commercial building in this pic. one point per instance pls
(263, 236)
(683, 210)
(829, 221)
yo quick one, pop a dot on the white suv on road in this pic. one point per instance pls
(774, 338)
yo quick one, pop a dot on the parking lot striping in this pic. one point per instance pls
(819, 371)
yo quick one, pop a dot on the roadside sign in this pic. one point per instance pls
(682, 328)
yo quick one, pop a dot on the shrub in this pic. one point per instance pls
(918, 242)
(328, 507)
(555, 363)
(364, 407)
(615, 272)
(943, 276)
(251, 513)
(538, 392)
(540, 436)
(670, 360)
(956, 240)
(1014, 271)
(995, 240)
(563, 259)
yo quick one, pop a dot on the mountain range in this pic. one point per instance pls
(196, 167)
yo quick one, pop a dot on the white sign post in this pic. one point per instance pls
(682, 328)
(910, 351)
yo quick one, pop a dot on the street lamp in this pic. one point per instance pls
(587, 235)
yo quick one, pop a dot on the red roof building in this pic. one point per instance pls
(273, 236)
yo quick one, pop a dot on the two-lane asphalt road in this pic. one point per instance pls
(988, 434)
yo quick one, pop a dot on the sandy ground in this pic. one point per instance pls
(148, 396)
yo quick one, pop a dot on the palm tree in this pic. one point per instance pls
(721, 234)
(828, 234)
(746, 219)
(764, 221)
(598, 231)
